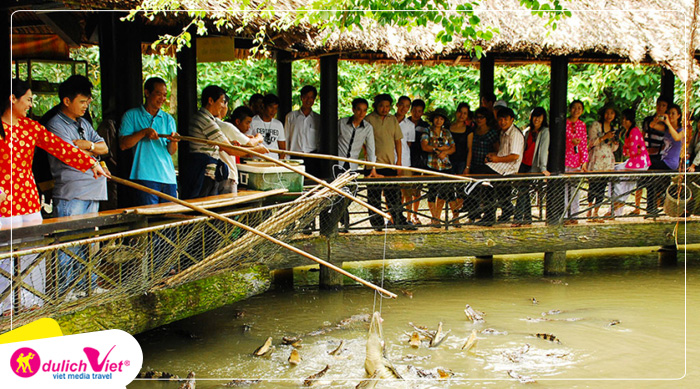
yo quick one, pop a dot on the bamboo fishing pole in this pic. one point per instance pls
(252, 230)
(288, 166)
(374, 164)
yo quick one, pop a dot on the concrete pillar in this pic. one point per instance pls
(486, 75)
(557, 137)
(483, 266)
(668, 256)
(329, 110)
(327, 278)
(667, 83)
(186, 94)
(284, 84)
(555, 263)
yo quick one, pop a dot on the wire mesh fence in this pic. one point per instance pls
(428, 202)
(51, 280)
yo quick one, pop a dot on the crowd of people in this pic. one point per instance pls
(485, 141)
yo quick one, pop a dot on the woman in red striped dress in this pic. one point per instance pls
(19, 198)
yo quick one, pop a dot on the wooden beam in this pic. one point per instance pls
(65, 24)
(186, 90)
(667, 84)
(284, 85)
(486, 72)
(5, 49)
(557, 135)
(122, 81)
(54, 225)
(489, 241)
(329, 108)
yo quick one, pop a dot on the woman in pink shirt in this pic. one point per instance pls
(576, 157)
(638, 158)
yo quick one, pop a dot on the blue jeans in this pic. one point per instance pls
(69, 268)
(143, 198)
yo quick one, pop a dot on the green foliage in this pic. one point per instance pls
(441, 86)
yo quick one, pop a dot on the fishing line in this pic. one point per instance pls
(374, 306)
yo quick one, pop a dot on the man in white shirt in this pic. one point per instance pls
(301, 128)
(504, 163)
(271, 129)
(408, 130)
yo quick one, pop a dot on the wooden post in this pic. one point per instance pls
(555, 263)
(327, 278)
(329, 109)
(187, 93)
(668, 256)
(667, 84)
(483, 266)
(284, 84)
(5, 47)
(328, 223)
(486, 74)
(557, 137)
(122, 81)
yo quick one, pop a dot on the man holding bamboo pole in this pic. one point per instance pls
(205, 173)
(141, 129)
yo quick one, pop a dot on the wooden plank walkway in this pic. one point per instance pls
(135, 215)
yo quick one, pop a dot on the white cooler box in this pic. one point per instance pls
(270, 177)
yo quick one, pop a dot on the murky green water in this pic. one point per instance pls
(646, 349)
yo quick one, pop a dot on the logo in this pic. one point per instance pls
(25, 362)
(105, 359)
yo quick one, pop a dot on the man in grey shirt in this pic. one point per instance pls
(75, 192)
(205, 160)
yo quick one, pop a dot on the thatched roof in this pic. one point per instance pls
(646, 31)
(640, 31)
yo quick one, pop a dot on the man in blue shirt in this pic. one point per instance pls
(75, 192)
(153, 164)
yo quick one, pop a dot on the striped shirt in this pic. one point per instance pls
(203, 125)
(512, 142)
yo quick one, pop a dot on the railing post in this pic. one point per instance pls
(555, 263)
(17, 269)
(328, 228)
(557, 134)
